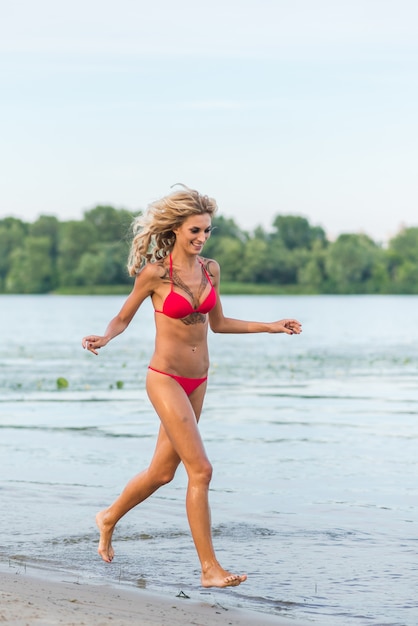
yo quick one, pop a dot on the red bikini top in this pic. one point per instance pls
(177, 306)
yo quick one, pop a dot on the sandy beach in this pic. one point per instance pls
(27, 600)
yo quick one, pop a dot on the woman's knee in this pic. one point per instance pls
(161, 477)
(201, 474)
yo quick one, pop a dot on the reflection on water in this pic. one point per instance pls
(313, 441)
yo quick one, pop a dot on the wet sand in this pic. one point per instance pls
(27, 600)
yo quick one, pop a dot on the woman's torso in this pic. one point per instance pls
(181, 342)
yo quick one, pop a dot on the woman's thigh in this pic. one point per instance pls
(177, 414)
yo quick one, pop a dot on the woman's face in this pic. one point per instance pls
(194, 232)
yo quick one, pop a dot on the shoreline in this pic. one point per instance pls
(30, 598)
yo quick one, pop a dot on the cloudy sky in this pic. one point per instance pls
(305, 107)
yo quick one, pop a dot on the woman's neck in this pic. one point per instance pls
(185, 260)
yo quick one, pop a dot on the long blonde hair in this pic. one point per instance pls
(153, 231)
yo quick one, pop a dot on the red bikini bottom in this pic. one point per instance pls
(188, 384)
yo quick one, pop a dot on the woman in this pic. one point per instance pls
(184, 289)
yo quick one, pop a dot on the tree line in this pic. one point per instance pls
(52, 255)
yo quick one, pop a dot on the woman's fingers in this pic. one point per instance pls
(89, 342)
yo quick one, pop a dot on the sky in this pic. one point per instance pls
(302, 107)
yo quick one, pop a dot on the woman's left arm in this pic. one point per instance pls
(221, 324)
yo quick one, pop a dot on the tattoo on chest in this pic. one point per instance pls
(176, 281)
(194, 318)
(166, 276)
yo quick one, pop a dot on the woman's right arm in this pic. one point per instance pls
(143, 287)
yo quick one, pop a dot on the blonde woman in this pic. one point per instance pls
(168, 267)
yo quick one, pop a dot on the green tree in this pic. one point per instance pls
(253, 265)
(47, 226)
(31, 268)
(223, 231)
(106, 265)
(405, 244)
(227, 227)
(296, 232)
(75, 239)
(350, 263)
(283, 264)
(311, 275)
(291, 246)
(110, 224)
(35, 257)
(228, 253)
(405, 278)
(95, 246)
(12, 235)
(402, 256)
(268, 261)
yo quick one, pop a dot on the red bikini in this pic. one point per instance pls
(177, 306)
(188, 384)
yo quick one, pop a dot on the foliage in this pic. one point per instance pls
(89, 256)
(12, 234)
(403, 261)
(296, 232)
(349, 263)
(31, 267)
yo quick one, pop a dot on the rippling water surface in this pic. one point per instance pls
(313, 440)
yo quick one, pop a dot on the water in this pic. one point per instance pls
(313, 439)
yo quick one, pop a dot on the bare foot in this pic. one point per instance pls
(105, 542)
(216, 576)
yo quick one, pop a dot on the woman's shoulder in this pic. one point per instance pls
(152, 272)
(211, 266)
(152, 268)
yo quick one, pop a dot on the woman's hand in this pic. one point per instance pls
(93, 343)
(288, 326)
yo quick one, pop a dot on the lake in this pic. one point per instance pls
(313, 439)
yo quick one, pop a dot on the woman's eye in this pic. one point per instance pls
(194, 231)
